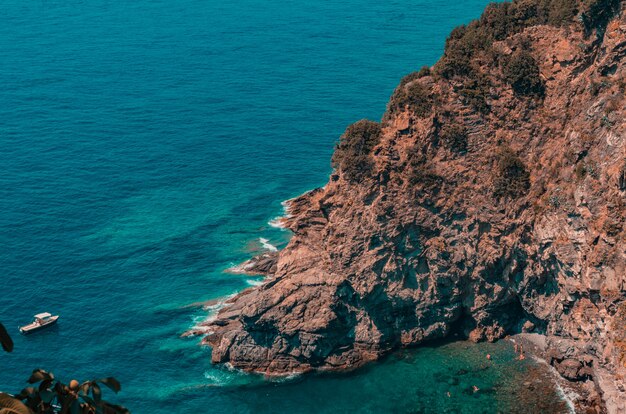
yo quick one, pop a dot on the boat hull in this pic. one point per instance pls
(33, 327)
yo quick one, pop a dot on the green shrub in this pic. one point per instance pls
(421, 174)
(596, 14)
(454, 137)
(512, 179)
(558, 12)
(522, 73)
(409, 78)
(461, 46)
(475, 91)
(353, 152)
(596, 87)
(423, 72)
(412, 95)
(499, 21)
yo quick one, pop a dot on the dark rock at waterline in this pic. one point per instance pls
(573, 369)
(524, 222)
(263, 264)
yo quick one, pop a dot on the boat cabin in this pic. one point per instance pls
(42, 317)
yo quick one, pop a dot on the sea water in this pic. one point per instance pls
(145, 146)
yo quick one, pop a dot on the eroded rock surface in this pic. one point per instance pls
(435, 240)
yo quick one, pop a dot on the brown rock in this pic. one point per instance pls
(571, 369)
(528, 326)
(469, 221)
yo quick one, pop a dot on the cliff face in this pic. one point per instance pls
(490, 200)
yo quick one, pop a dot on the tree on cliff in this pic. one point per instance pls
(353, 152)
(512, 179)
(522, 73)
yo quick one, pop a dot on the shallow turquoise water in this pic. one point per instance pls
(144, 148)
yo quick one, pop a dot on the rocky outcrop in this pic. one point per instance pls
(492, 201)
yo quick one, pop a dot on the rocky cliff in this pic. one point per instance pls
(490, 200)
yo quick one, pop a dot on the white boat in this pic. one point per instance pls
(42, 320)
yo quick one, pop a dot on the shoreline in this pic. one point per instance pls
(594, 394)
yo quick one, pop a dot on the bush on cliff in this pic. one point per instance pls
(558, 12)
(596, 14)
(421, 173)
(454, 137)
(511, 179)
(475, 93)
(499, 21)
(411, 95)
(461, 46)
(353, 152)
(522, 73)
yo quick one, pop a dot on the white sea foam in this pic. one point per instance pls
(254, 282)
(266, 244)
(285, 205)
(568, 396)
(199, 320)
(214, 378)
(277, 223)
(241, 268)
(286, 378)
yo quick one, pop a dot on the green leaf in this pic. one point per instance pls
(9, 405)
(45, 385)
(112, 383)
(75, 408)
(46, 396)
(66, 401)
(40, 375)
(25, 393)
(5, 339)
(88, 400)
(59, 388)
(116, 408)
(96, 392)
(85, 386)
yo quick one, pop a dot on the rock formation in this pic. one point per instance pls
(490, 199)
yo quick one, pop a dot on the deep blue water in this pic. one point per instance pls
(145, 145)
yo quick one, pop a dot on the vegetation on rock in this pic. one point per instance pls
(502, 20)
(454, 137)
(512, 179)
(522, 73)
(353, 152)
(48, 395)
(597, 13)
(412, 95)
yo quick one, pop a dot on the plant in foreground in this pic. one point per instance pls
(47, 395)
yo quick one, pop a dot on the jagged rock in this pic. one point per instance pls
(441, 239)
(528, 326)
(573, 369)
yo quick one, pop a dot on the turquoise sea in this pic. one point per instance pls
(144, 148)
